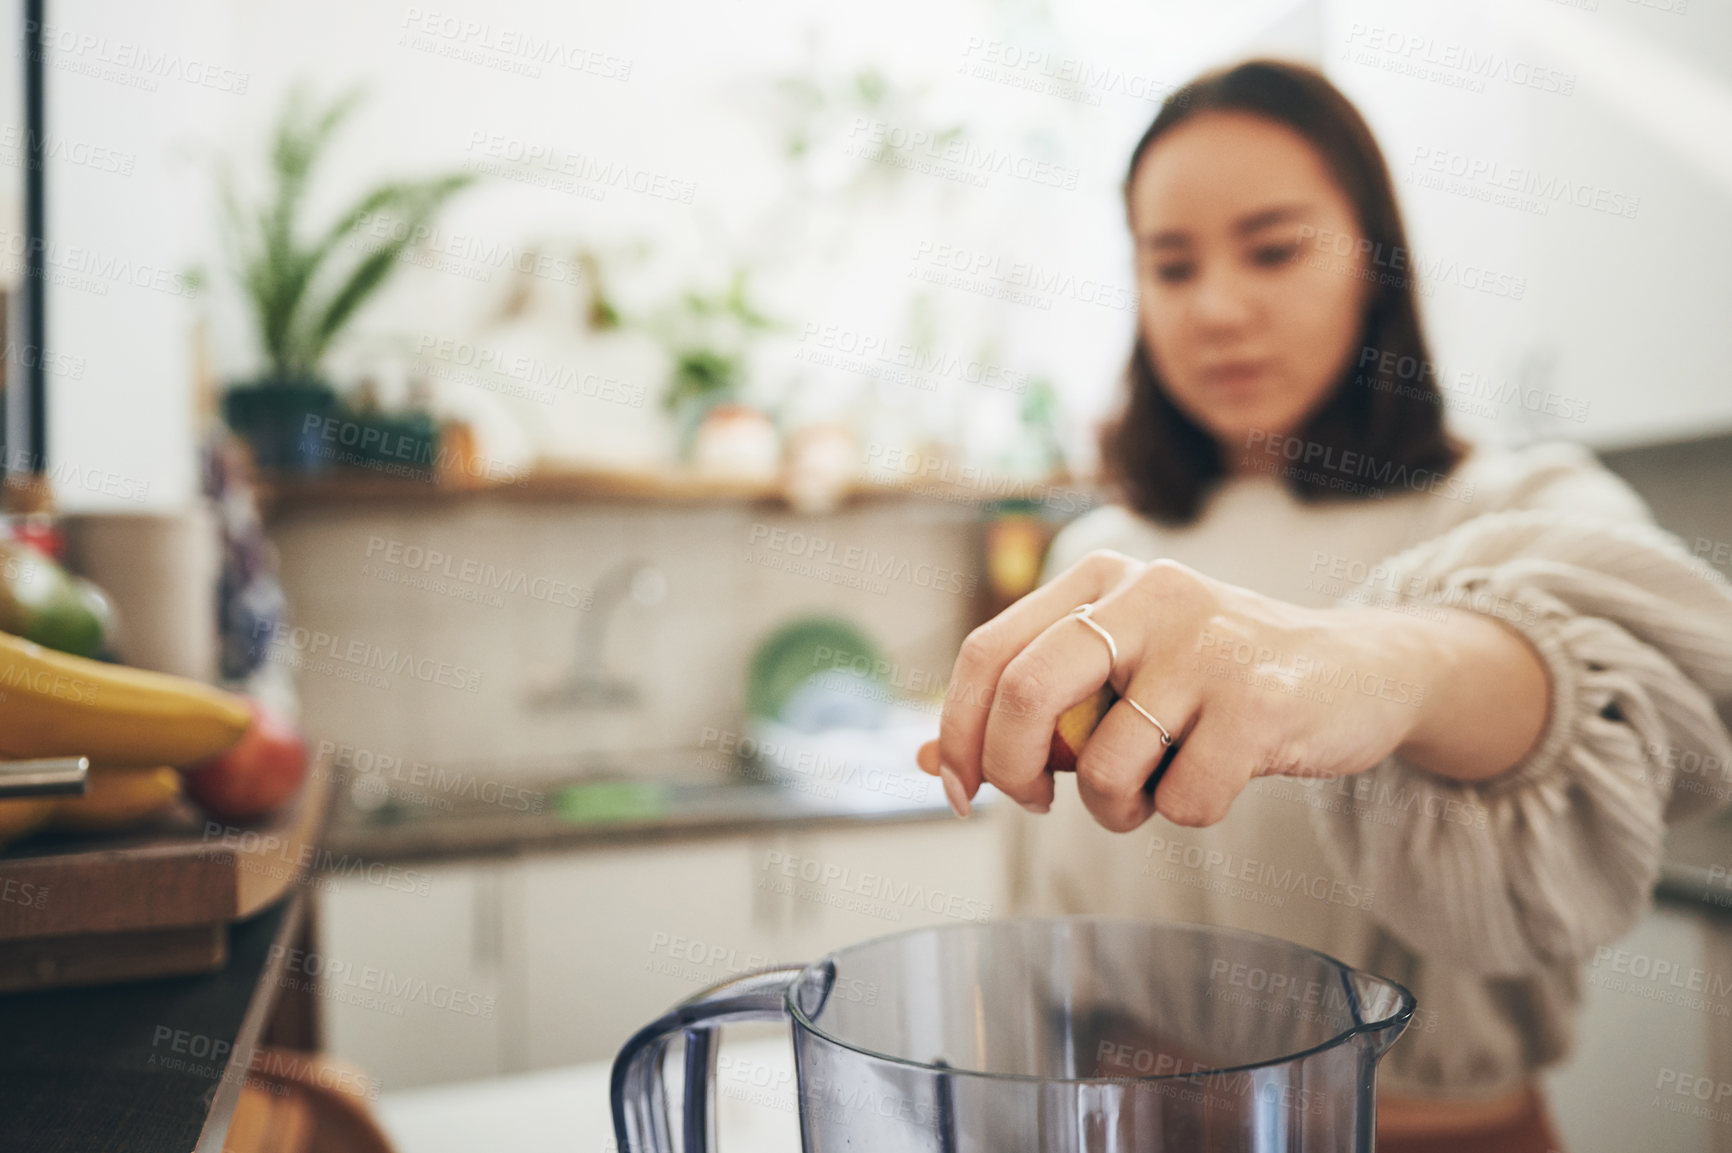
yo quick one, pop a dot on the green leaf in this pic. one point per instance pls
(362, 283)
(420, 203)
(701, 373)
(280, 273)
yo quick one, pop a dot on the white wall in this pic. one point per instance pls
(1619, 319)
(139, 87)
(443, 90)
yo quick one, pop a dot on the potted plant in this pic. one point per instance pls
(305, 286)
(707, 336)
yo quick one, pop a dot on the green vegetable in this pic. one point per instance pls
(604, 802)
(41, 602)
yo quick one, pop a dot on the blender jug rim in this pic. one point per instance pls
(1406, 1002)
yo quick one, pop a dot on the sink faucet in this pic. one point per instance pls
(588, 684)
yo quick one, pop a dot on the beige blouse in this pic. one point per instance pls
(1485, 900)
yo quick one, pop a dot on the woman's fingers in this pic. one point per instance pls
(1123, 752)
(991, 648)
(1063, 666)
(1210, 770)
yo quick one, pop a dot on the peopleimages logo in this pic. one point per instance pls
(888, 894)
(56, 147)
(540, 379)
(373, 987)
(26, 893)
(879, 139)
(1017, 281)
(866, 563)
(430, 783)
(1454, 64)
(1402, 265)
(1383, 475)
(126, 62)
(29, 470)
(483, 42)
(320, 651)
(417, 452)
(1273, 879)
(470, 571)
(1291, 668)
(942, 478)
(1518, 186)
(93, 270)
(812, 772)
(1405, 375)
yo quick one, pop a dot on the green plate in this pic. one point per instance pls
(798, 650)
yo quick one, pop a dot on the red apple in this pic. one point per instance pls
(262, 772)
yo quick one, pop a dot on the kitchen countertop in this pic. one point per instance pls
(679, 808)
(567, 1110)
(149, 1066)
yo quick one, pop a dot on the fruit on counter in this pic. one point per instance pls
(40, 601)
(117, 799)
(260, 773)
(21, 817)
(1074, 727)
(114, 799)
(55, 704)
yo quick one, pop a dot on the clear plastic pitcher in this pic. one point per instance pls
(1072, 1034)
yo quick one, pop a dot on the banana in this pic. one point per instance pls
(22, 817)
(117, 799)
(55, 704)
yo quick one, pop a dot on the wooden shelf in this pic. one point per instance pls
(283, 494)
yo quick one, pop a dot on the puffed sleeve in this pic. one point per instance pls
(1559, 855)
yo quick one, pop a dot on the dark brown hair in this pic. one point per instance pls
(1386, 408)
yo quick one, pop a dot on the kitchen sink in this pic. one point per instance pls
(418, 809)
(420, 791)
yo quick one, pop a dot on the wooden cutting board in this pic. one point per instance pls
(154, 903)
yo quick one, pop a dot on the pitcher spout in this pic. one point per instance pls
(1383, 1008)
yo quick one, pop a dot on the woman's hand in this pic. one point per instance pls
(1246, 685)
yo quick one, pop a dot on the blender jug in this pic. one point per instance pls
(1063, 1036)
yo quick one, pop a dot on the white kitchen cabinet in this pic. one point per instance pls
(616, 937)
(824, 889)
(413, 972)
(612, 937)
(570, 952)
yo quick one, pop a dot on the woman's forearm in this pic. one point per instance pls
(1487, 695)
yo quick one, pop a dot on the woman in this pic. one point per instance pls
(1486, 665)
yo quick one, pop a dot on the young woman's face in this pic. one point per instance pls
(1249, 320)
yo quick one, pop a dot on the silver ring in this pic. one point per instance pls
(1084, 613)
(1166, 737)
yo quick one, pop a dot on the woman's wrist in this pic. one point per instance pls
(1485, 693)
